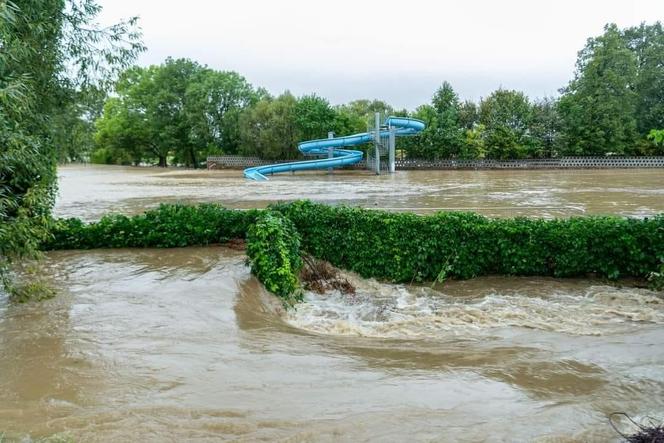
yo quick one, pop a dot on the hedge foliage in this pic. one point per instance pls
(273, 250)
(403, 247)
(168, 226)
(398, 247)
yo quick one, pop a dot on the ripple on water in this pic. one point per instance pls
(398, 311)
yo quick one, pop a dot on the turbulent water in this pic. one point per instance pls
(185, 345)
(487, 305)
(90, 191)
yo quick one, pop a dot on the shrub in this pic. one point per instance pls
(165, 227)
(656, 279)
(31, 291)
(398, 247)
(403, 247)
(273, 249)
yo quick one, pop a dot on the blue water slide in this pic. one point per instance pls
(340, 157)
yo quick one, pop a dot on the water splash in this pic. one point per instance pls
(397, 311)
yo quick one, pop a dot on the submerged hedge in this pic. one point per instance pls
(399, 247)
(403, 247)
(273, 251)
(168, 226)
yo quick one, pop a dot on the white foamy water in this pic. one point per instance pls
(397, 311)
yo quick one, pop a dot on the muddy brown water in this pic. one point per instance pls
(90, 191)
(185, 345)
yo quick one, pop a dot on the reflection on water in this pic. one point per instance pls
(90, 191)
(184, 344)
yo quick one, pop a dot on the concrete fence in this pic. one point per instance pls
(240, 162)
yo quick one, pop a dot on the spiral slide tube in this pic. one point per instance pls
(341, 157)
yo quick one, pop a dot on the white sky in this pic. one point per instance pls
(399, 51)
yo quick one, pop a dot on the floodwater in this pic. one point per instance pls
(184, 344)
(90, 191)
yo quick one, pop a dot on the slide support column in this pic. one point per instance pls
(377, 141)
(330, 150)
(392, 150)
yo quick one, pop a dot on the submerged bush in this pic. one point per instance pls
(398, 247)
(273, 249)
(167, 226)
(656, 279)
(404, 247)
(31, 291)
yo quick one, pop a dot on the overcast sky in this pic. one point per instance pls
(399, 51)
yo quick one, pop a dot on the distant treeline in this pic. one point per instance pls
(180, 112)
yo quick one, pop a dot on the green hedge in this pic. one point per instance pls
(165, 227)
(399, 247)
(402, 247)
(273, 250)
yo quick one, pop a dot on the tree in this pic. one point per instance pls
(124, 135)
(179, 109)
(647, 44)
(545, 126)
(443, 135)
(347, 122)
(422, 145)
(507, 116)
(148, 111)
(503, 144)
(215, 101)
(269, 129)
(358, 115)
(273, 128)
(51, 51)
(365, 110)
(474, 146)
(598, 107)
(446, 135)
(72, 129)
(468, 115)
(657, 138)
(314, 117)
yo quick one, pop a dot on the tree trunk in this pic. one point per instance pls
(162, 162)
(193, 157)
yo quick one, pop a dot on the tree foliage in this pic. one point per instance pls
(314, 117)
(657, 138)
(447, 133)
(545, 127)
(73, 128)
(179, 110)
(365, 109)
(598, 108)
(52, 53)
(474, 145)
(647, 44)
(273, 127)
(269, 129)
(507, 116)
(615, 99)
